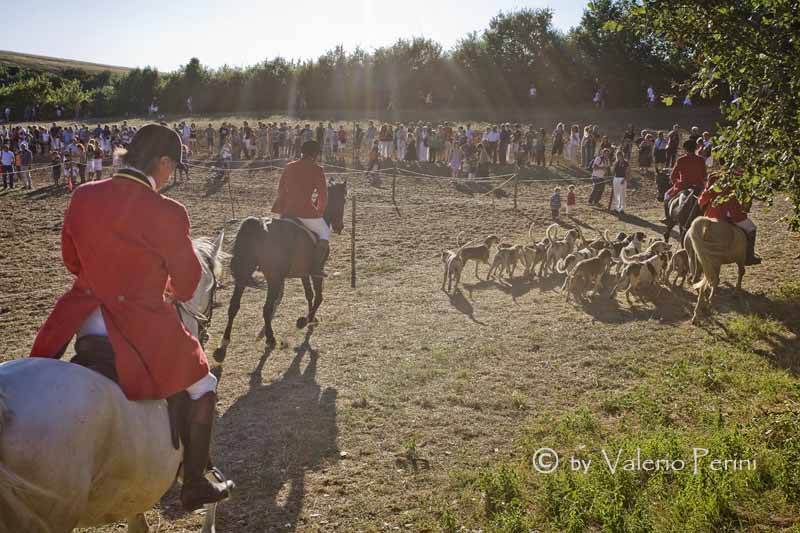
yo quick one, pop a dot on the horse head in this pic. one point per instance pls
(334, 211)
(196, 313)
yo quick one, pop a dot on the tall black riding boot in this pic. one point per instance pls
(320, 256)
(197, 490)
(665, 220)
(752, 258)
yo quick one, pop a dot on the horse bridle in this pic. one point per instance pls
(203, 319)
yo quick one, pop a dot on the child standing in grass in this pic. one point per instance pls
(571, 200)
(555, 202)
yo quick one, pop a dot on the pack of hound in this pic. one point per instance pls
(632, 262)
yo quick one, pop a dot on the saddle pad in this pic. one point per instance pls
(290, 220)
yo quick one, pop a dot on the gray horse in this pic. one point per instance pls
(75, 452)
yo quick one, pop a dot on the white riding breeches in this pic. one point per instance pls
(95, 325)
(318, 226)
(206, 384)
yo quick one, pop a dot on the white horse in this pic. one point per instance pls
(75, 452)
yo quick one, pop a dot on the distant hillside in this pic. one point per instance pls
(52, 64)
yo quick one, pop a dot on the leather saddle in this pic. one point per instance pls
(295, 222)
(96, 353)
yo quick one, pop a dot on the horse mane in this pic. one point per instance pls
(207, 249)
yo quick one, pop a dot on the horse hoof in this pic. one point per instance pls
(302, 322)
(219, 354)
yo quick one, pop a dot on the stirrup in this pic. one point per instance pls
(212, 493)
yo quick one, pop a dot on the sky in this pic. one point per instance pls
(167, 33)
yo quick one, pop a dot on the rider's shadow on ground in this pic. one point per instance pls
(269, 439)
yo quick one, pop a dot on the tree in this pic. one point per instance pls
(525, 47)
(751, 49)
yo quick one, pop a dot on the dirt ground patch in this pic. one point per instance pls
(361, 424)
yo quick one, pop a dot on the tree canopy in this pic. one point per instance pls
(748, 52)
(492, 69)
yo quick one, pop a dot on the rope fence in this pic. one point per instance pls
(359, 190)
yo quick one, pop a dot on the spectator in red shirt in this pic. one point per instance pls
(718, 202)
(689, 172)
(297, 185)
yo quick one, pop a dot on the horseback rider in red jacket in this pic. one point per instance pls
(689, 172)
(298, 183)
(130, 252)
(719, 202)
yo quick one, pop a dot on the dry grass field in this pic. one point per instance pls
(410, 409)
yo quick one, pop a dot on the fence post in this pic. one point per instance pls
(516, 187)
(394, 182)
(230, 193)
(353, 247)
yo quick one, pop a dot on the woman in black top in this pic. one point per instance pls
(620, 183)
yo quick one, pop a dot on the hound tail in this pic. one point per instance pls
(554, 229)
(561, 266)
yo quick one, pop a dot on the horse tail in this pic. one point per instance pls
(244, 261)
(705, 251)
(17, 494)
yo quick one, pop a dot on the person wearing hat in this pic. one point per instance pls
(129, 271)
(689, 172)
(720, 203)
(296, 188)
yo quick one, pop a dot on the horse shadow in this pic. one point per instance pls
(666, 304)
(270, 438)
(640, 222)
(48, 191)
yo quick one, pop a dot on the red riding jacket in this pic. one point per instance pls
(689, 172)
(126, 244)
(298, 182)
(728, 209)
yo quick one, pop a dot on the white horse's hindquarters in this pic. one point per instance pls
(117, 464)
